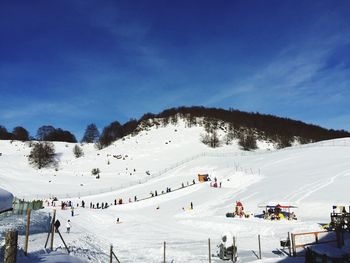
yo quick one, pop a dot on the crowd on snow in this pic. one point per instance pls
(103, 205)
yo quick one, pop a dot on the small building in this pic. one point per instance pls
(203, 177)
(6, 199)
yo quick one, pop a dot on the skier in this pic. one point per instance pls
(191, 206)
(68, 226)
(72, 211)
(135, 198)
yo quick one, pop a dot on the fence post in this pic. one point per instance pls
(259, 246)
(111, 254)
(289, 245)
(164, 252)
(53, 228)
(11, 246)
(209, 250)
(293, 245)
(27, 232)
(234, 250)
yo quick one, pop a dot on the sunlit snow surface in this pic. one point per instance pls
(314, 177)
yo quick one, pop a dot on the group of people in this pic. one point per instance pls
(57, 225)
(98, 205)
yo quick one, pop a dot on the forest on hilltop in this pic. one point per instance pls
(241, 125)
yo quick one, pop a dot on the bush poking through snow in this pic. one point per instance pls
(78, 151)
(96, 171)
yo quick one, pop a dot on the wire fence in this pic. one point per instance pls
(150, 176)
(40, 223)
(234, 165)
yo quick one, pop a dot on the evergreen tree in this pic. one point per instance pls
(91, 134)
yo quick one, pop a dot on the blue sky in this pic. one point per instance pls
(70, 63)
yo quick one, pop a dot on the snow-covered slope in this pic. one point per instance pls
(141, 157)
(312, 177)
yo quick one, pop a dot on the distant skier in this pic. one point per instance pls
(135, 198)
(72, 211)
(191, 206)
(68, 226)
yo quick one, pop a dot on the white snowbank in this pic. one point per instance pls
(6, 199)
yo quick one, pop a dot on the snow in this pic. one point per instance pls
(6, 199)
(312, 177)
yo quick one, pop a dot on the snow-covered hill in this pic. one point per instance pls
(126, 162)
(312, 177)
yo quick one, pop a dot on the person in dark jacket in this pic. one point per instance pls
(57, 225)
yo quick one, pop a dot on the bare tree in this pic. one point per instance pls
(42, 154)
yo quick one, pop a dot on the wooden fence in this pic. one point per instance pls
(316, 239)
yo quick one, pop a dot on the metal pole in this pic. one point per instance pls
(209, 250)
(164, 252)
(289, 245)
(293, 245)
(259, 246)
(63, 241)
(27, 232)
(53, 228)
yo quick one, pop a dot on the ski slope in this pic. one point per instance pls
(313, 177)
